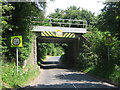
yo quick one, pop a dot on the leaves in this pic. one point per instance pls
(109, 19)
(16, 22)
(76, 13)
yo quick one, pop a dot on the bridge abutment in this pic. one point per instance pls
(73, 50)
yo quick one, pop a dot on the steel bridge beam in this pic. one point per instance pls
(53, 29)
(54, 39)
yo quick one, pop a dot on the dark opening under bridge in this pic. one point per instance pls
(61, 31)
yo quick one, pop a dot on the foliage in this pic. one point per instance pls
(86, 58)
(5, 8)
(42, 50)
(89, 56)
(3, 25)
(109, 19)
(94, 58)
(19, 24)
(14, 80)
(45, 49)
(76, 13)
(15, 21)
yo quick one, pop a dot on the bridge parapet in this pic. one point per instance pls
(52, 24)
(59, 22)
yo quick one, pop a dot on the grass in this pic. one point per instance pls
(14, 80)
(109, 74)
(90, 69)
(115, 76)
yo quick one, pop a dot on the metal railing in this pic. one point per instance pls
(59, 22)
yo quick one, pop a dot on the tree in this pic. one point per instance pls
(5, 10)
(20, 24)
(72, 13)
(58, 14)
(76, 13)
(109, 19)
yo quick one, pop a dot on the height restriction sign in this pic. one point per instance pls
(108, 40)
(59, 33)
(16, 41)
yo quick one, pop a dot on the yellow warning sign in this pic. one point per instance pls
(16, 41)
(108, 40)
(59, 33)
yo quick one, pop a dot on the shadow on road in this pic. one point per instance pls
(77, 77)
(66, 86)
(85, 85)
(52, 65)
(51, 62)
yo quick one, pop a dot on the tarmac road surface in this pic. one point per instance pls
(54, 76)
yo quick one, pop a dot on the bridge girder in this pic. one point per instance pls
(64, 29)
(54, 39)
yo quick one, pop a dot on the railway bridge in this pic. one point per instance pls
(54, 30)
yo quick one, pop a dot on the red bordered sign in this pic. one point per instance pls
(59, 33)
(16, 41)
(108, 40)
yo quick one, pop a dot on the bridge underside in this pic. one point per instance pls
(61, 31)
(73, 49)
(54, 39)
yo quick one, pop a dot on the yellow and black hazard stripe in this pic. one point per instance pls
(47, 33)
(69, 35)
(51, 34)
(72, 35)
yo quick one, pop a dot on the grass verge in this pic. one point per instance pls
(14, 80)
(113, 75)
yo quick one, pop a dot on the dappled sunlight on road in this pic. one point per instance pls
(53, 76)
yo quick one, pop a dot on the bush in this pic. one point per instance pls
(87, 58)
(96, 56)
(91, 55)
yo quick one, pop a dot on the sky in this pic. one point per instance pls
(91, 5)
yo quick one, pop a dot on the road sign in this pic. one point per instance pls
(16, 41)
(108, 40)
(59, 33)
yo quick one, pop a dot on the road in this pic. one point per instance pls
(54, 76)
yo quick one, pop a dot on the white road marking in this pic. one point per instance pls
(71, 83)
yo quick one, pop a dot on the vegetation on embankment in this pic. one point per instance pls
(16, 22)
(12, 79)
(93, 58)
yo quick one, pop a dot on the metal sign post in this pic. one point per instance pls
(17, 59)
(108, 47)
(16, 41)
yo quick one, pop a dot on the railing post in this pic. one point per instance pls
(69, 23)
(50, 22)
(86, 24)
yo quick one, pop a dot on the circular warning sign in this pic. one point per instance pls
(59, 33)
(16, 41)
(108, 40)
